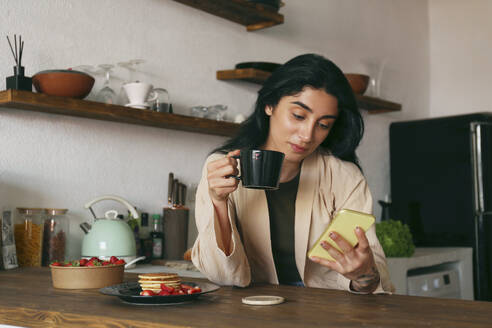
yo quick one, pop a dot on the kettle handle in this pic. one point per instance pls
(115, 198)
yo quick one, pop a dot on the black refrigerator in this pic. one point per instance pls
(441, 186)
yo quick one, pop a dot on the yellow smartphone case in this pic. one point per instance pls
(344, 223)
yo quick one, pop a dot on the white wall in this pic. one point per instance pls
(56, 161)
(460, 53)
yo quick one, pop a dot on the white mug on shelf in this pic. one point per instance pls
(139, 94)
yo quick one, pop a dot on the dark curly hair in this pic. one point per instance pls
(317, 72)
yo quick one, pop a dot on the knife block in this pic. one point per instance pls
(175, 228)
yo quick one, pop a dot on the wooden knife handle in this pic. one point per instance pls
(174, 201)
(170, 188)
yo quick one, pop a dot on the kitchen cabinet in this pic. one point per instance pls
(371, 104)
(252, 15)
(39, 102)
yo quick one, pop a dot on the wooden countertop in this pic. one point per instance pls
(28, 299)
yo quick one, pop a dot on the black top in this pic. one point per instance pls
(281, 208)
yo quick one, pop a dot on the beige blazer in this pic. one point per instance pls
(326, 185)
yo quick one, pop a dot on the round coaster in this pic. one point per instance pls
(263, 300)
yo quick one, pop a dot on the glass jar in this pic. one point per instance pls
(55, 235)
(28, 232)
(162, 103)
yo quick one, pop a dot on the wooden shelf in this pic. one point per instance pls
(252, 15)
(371, 104)
(376, 105)
(246, 74)
(39, 102)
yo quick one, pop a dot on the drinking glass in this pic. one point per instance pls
(198, 111)
(132, 65)
(216, 112)
(162, 103)
(375, 69)
(106, 94)
(89, 69)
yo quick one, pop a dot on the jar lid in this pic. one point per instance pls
(30, 211)
(56, 211)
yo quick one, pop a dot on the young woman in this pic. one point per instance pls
(306, 110)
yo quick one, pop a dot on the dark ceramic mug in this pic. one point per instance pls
(260, 169)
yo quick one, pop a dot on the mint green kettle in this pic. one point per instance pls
(109, 236)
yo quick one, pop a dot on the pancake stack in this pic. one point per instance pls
(153, 281)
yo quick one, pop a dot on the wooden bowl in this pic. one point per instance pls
(358, 82)
(63, 83)
(86, 277)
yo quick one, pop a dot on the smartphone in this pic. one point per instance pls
(344, 223)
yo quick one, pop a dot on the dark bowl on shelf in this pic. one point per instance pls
(269, 4)
(358, 82)
(264, 66)
(63, 83)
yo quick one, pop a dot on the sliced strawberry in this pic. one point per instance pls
(164, 293)
(167, 288)
(147, 293)
(113, 259)
(121, 261)
(83, 262)
(56, 264)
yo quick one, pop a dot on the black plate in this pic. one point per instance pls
(264, 66)
(129, 292)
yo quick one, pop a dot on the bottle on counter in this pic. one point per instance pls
(133, 223)
(157, 237)
(144, 231)
(7, 240)
(145, 238)
(28, 232)
(54, 236)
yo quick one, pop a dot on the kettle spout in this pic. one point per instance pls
(85, 227)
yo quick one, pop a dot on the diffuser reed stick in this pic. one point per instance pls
(18, 81)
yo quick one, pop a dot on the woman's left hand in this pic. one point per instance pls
(355, 263)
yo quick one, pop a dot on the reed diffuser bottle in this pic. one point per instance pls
(18, 81)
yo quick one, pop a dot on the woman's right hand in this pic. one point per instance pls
(220, 182)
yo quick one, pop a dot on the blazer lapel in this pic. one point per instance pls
(308, 187)
(257, 225)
